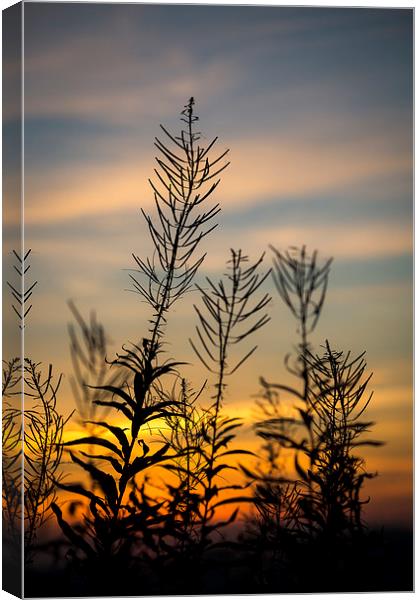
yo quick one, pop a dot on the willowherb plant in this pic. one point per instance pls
(43, 437)
(230, 314)
(89, 347)
(186, 436)
(21, 295)
(200, 437)
(11, 452)
(186, 178)
(337, 400)
(38, 451)
(301, 282)
(302, 285)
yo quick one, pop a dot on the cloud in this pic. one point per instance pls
(261, 168)
(358, 241)
(87, 191)
(118, 82)
(286, 168)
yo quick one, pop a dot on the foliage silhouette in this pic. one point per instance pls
(143, 422)
(43, 436)
(201, 437)
(301, 282)
(88, 350)
(186, 177)
(20, 293)
(322, 506)
(230, 315)
(119, 513)
(11, 452)
(335, 478)
(31, 458)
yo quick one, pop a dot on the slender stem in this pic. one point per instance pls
(219, 387)
(44, 463)
(163, 305)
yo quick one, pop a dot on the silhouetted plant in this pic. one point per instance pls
(200, 437)
(91, 370)
(229, 316)
(11, 377)
(116, 518)
(323, 430)
(186, 436)
(326, 506)
(37, 471)
(334, 480)
(43, 438)
(22, 292)
(186, 177)
(12, 460)
(88, 351)
(302, 284)
(268, 526)
(12, 464)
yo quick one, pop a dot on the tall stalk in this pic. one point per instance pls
(301, 282)
(186, 176)
(182, 185)
(228, 317)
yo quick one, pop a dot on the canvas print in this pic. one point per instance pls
(207, 299)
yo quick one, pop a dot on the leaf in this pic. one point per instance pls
(165, 369)
(117, 391)
(114, 462)
(142, 462)
(368, 443)
(299, 469)
(76, 488)
(228, 452)
(285, 388)
(105, 481)
(233, 501)
(68, 531)
(156, 409)
(95, 441)
(160, 415)
(221, 468)
(118, 405)
(232, 517)
(306, 417)
(228, 425)
(223, 441)
(119, 434)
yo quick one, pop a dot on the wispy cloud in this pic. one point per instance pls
(261, 168)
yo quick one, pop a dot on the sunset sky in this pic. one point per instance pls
(316, 108)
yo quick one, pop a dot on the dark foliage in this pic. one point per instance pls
(31, 454)
(160, 488)
(121, 517)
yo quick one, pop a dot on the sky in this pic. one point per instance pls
(315, 105)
